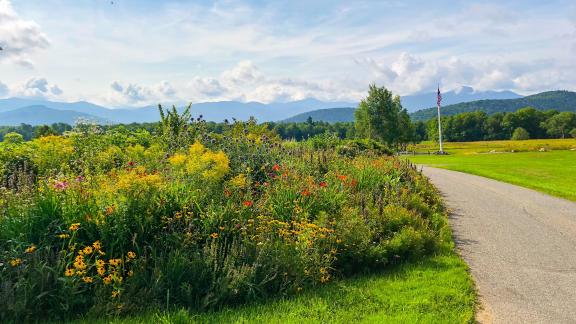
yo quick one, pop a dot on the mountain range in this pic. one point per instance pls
(14, 111)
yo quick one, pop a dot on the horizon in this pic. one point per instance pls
(128, 54)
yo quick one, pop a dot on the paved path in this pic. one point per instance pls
(520, 245)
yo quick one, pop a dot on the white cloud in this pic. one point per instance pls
(37, 88)
(135, 94)
(19, 38)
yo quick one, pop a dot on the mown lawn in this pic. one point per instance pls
(435, 290)
(552, 172)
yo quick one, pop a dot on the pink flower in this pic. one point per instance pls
(60, 185)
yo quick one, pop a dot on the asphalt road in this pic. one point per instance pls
(520, 245)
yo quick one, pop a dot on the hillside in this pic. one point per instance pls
(416, 102)
(38, 115)
(558, 100)
(330, 115)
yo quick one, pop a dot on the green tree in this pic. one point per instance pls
(13, 138)
(43, 130)
(560, 124)
(520, 134)
(380, 117)
(573, 133)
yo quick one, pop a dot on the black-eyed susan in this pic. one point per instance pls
(131, 255)
(107, 280)
(69, 272)
(115, 293)
(97, 245)
(87, 279)
(87, 250)
(63, 236)
(100, 263)
(74, 227)
(31, 249)
(101, 271)
(16, 262)
(214, 235)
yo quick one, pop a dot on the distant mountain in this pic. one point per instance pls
(463, 94)
(330, 115)
(211, 111)
(558, 100)
(39, 115)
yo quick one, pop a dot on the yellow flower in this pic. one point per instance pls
(107, 280)
(239, 181)
(15, 262)
(63, 236)
(100, 263)
(214, 235)
(115, 293)
(80, 265)
(115, 262)
(177, 159)
(117, 278)
(97, 246)
(131, 255)
(31, 249)
(101, 271)
(79, 258)
(87, 250)
(101, 252)
(87, 279)
(69, 272)
(130, 273)
(74, 227)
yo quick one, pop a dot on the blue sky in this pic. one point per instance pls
(140, 52)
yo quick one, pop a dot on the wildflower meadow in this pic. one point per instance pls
(113, 222)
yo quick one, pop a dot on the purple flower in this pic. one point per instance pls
(60, 185)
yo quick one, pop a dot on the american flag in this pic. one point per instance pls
(439, 97)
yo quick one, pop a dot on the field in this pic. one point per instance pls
(103, 224)
(552, 170)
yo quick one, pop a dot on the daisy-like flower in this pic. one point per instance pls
(31, 249)
(74, 227)
(131, 255)
(69, 272)
(87, 279)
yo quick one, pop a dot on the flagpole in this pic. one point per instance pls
(439, 121)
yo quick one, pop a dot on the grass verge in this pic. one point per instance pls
(552, 172)
(437, 289)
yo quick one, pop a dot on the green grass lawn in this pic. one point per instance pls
(551, 172)
(435, 290)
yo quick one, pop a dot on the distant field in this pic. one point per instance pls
(552, 171)
(498, 146)
(435, 290)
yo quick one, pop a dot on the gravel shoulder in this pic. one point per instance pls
(520, 245)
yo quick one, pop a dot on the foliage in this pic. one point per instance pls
(380, 117)
(119, 220)
(520, 134)
(477, 126)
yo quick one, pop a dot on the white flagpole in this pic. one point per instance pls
(439, 123)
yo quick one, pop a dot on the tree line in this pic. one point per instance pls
(525, 123)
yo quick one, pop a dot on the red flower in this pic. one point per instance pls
(131, 163)
(248, 203)
(353, 183)
(305, 193)
(323, 184)
(276, 167)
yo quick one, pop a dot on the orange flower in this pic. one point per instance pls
(305, 193)
(214, 235)
(276, 167)
(248, 203)
(342, 177)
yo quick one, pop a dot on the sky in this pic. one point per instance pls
(137, 52)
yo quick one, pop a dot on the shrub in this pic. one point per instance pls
(520, 134)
